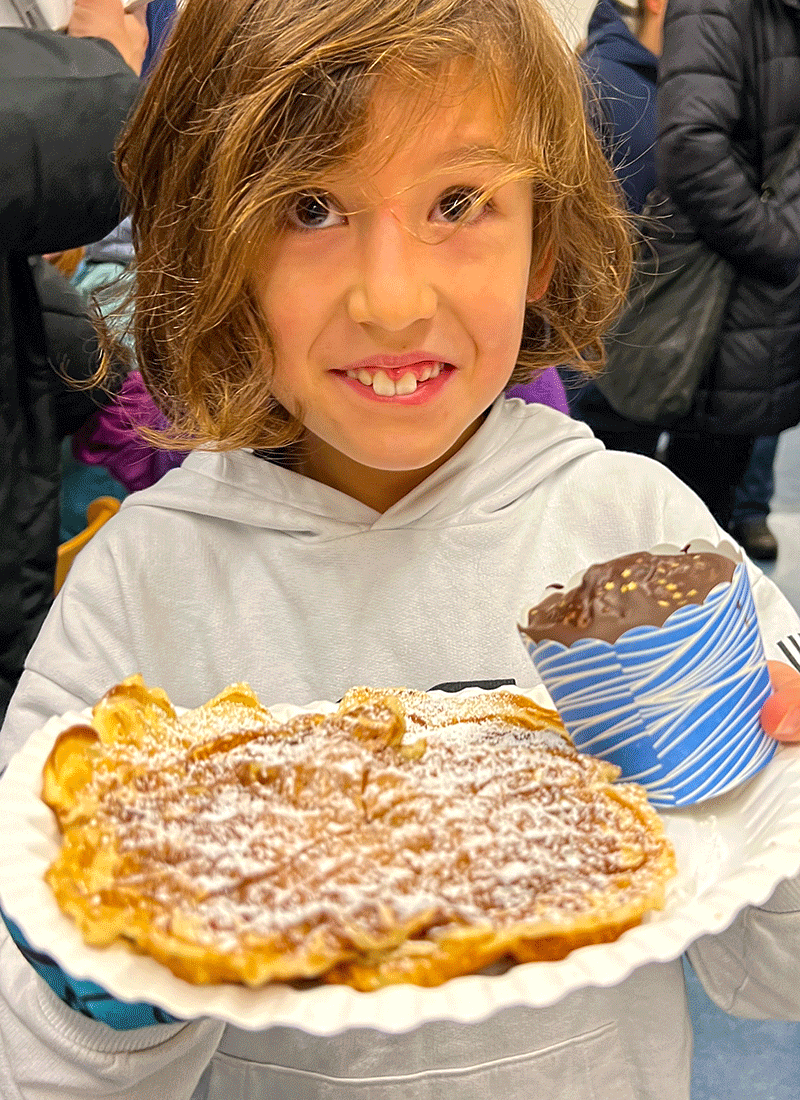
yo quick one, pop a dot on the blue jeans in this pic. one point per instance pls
(755, 489)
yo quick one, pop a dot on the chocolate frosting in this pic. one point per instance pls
(634, 590)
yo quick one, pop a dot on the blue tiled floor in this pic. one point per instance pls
(751, 1059)
(785, 521)
(741, 1059)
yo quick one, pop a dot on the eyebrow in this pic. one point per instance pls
(473, 154)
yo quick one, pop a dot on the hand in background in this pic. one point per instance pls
(108, 19)
(780, 715)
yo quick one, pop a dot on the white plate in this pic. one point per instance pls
(731, 852)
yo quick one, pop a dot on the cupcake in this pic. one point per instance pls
(655, 663)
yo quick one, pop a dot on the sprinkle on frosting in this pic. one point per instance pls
(634, 590)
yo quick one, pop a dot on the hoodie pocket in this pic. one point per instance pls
(589, 1066)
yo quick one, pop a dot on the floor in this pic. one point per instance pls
(785, 520)
(747, 1059)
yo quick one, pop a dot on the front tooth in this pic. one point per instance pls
(383, 385)
(426, 373)
(406, 385)
(364, 377)
(437, 370)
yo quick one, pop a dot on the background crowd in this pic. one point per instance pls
(700, 159)
(693, 122)
(702, 100)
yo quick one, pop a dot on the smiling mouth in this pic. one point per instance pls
(397, 381)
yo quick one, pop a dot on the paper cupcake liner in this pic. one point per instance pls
(676, 707)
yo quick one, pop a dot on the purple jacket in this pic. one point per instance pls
(110, 437)
(546, 389)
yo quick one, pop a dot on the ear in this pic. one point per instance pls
(540, 277)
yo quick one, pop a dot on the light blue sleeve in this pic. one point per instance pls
(85, 997)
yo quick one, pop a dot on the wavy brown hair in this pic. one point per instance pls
(253, 99)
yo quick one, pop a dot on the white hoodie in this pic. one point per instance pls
(232, 568)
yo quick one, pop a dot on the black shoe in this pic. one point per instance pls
(756, 538)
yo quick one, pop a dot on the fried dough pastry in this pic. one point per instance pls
(404, 838)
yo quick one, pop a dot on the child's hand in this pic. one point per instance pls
(780, 715)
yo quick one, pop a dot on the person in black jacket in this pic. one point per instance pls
(63, 101)
(621, 61)
(728, 109)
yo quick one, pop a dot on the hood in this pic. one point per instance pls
(516, 448)
(609, 37)
(116, 247)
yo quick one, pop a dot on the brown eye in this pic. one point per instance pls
(457, 204)
(313, 210)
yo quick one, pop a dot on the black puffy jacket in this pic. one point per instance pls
(62, 104)
(728, 107)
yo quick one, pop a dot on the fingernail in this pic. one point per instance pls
(788, 729)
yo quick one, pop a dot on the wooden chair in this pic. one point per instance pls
(99, 512)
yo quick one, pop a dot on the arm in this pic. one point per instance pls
(63, 102)
(753, 968)
(108, 19)
(702, 83)
(51, 1047)
(51, 1052)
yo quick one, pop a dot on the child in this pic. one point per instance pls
(357, 222)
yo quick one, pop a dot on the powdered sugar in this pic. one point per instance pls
(322, 826)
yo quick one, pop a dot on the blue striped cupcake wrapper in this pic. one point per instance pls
(676, 707)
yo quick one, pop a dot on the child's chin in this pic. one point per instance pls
(390, 461)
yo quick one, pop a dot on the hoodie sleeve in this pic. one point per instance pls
(51, 1052)
(753, 968)
(700, 92)
(56, 1041)
(63, 102)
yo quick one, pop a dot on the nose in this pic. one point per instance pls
(392, 288)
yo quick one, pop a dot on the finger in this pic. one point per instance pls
(782, 675)
(780, 715)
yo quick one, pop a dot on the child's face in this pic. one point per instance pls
(393, 333)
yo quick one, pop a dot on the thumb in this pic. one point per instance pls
(780, 715)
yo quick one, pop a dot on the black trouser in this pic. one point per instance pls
(712, 465)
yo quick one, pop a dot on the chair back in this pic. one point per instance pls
(99, 512)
